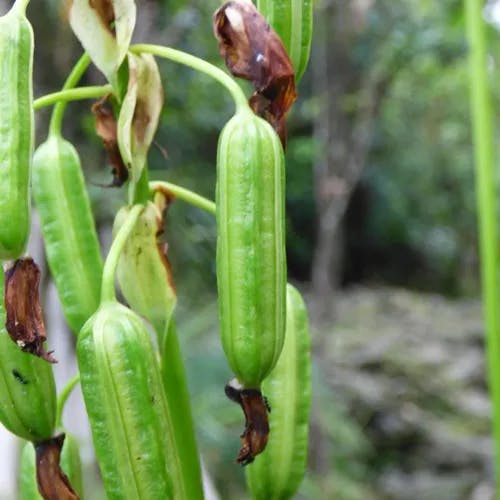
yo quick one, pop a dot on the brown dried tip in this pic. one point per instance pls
(106, 129)
(163, 198)
(24, 312)
(106, 13)
(52, 482)
(256, 433)
(253, 51)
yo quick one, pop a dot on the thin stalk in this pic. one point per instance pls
(109, 271)
(76, 94)
(179, 407)
(184, 194)
(481, 111)
(63, 397)
(197, 64)
(139, 192)
(72, 80)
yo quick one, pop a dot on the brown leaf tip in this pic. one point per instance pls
(256, 408)
(106, 129)
(25, 323)
(51, 480)
(106, 13)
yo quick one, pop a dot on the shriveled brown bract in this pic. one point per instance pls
(256, 433)
(24, 312)
(51, 480)
(253, 51)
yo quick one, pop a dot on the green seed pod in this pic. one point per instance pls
(16, 129)
(146, 283)
(70, 465)
(277, 472)
(68, 229)
(251, 260)
(27, 388)
(125, 401)
(293, 22)
(143, 271)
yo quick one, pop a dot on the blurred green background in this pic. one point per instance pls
(381, 236)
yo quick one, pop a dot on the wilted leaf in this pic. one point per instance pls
(105, 127)
(143, 272)
(139, 113)
(24, 312)
(253, 51)
(53, 484)
(256, 433)
(104, 28)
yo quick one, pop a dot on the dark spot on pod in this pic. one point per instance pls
(19, 377)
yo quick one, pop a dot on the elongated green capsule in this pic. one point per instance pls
(251, 260)
(277, 472)
(16, 129)
(293, 22)
(68, 229)
(146, 283)
(27, 388)
(70, 464)
(125, 401)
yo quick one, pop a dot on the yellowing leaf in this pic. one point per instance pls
(139, 113)
(104, 28)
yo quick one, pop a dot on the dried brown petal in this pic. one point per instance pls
(163, 199)
(106, 129)
(252, 50)
(24, 312)
(256, 433)
(53, 484)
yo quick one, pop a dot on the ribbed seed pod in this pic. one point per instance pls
(68, 229)
(27, 388)
(125, 401)
(16, 129)
(146, 283)
(277, 472)
(293, 22)
(70, 464)
(251, 260)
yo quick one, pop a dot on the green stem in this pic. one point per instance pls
(21, 5)
(79, 93)
(63, 397)
(139, 192)
(72, 80)
(188, 474)
(184, 194)
(481, 110)
(198, 64)
(109, 271)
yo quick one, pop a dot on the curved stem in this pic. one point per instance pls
(76, 94)
(63, 397)
(184, 194)
(73, 78)
(108, 275)
(198, 64)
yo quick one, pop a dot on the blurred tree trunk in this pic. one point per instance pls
(349, 92)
